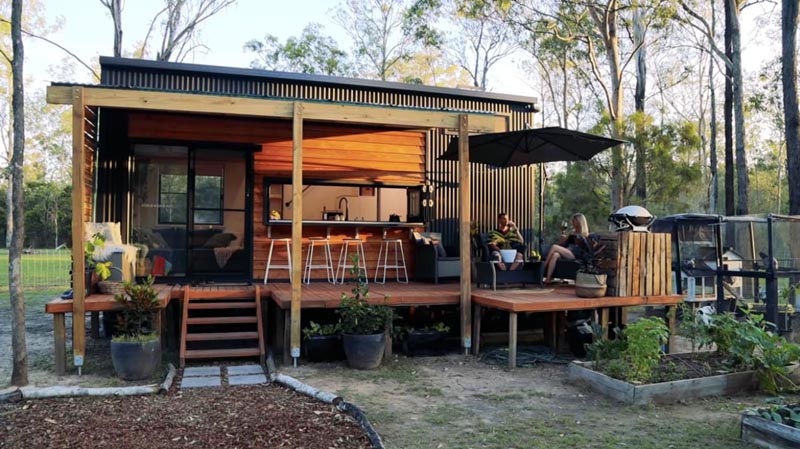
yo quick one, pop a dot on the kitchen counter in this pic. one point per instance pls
(344, 228)
(359, 223)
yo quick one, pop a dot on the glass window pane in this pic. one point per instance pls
(208, 192)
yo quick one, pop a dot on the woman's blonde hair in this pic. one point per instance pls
(582, 224)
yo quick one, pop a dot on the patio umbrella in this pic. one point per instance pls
(531, 146)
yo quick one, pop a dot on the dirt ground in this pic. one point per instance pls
(456, 401)
(459, 402)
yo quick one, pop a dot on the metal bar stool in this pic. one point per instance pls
(344, 253)
(310, 265)
(288, 267)
(399, 260)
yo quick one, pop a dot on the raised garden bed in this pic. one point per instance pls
(709, 384)
(770, 433)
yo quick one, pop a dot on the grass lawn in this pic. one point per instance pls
(40, 269)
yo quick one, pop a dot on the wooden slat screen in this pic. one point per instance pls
(89, 149)
(639, 264)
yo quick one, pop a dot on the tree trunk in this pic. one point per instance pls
(790, 107)
(640, 181)
(19, 373)
(611, 42)
(738, 111)
(713, 197)
(116, 15)
(729, 173)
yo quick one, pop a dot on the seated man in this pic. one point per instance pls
(508, 233)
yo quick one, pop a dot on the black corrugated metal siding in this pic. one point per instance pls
(510, 190)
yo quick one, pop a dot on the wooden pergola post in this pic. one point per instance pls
(464, 235)
(297, 226)
(78, 196)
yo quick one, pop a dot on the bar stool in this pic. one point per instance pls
(288, 267)
(344, 253)
(325, 243)
(399, 260)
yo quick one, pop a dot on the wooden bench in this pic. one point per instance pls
(558, 299)
(94, 303)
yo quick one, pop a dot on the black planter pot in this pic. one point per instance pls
(363, 351)
(424, 342)
(323, 348)
(136, 361)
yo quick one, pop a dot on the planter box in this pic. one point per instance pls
(665, 391)
(769, 434)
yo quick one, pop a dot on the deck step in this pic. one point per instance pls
(222, 320)
(221, 353)
(213, 336)
(222, 305)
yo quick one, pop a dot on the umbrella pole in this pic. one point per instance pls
(541, 207)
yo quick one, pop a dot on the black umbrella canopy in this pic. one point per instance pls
(531, 146)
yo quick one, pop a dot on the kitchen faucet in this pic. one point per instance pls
(346, 208)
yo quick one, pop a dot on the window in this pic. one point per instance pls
(208, 200)
(172, 199)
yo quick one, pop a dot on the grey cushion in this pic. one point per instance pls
(220, 240)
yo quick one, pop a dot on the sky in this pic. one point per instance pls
(87, 31)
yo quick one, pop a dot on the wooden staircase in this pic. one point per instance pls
(221, 324)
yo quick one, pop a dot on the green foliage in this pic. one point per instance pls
(603, 351)
(645, 338)
(139, 306)
(748, 345)
(141, 338)
(103, 269)
(357, 315)
(321, 330)
(782, 414)
(504, 240)
(312, 52)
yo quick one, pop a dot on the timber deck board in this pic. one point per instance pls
(329, 296)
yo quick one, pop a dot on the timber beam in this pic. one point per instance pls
(276, 108)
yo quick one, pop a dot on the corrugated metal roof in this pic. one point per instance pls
(310, 79)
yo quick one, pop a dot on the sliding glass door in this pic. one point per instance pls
(190, 209)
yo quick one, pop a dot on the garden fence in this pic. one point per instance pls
(41, 269)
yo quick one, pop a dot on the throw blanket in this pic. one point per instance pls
(223, 255)
(128, 254)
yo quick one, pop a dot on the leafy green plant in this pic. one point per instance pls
(645, 339)
(103, 269)
(782, 414)
(603, 351)
(357, 315)
(321, 330)
(504, 240)
(139, 306)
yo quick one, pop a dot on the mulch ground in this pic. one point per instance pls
(230, 417)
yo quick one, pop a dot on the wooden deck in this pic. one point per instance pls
(322, 295)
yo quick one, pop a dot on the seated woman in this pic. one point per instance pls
(568, 246)
(504, 227)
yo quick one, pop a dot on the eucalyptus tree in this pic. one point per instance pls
(312, 52)
(790, 107)
(381, 34)
(19, 369)
(176, 24)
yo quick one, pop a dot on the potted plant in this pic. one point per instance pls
(323, 342)
(505, 242)
(98, 271)
(363, 326)
(136, 348)
(426, 338)
(590, 280)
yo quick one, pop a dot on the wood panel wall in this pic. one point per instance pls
(89, 154)
(346, 153)
(638, 263)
